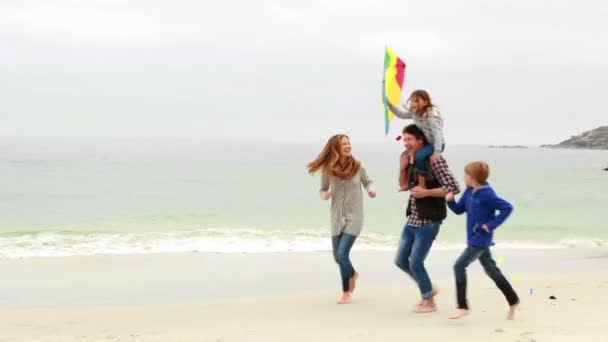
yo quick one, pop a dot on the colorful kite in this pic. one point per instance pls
(394, 74)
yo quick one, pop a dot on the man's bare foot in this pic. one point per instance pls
(352, 284)
(345, 298)
(512, 310)
(435, 294)
(459, 313)
(428, 306)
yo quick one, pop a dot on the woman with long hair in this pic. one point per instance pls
(342, 177)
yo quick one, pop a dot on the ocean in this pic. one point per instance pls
(69, 196)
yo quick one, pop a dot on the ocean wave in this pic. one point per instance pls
(224, 240)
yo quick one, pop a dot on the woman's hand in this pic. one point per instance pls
(372, 194)
(325, 195)
(434, 157)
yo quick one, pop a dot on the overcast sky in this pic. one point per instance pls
(501, 71)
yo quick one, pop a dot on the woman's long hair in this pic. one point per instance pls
(329, 159)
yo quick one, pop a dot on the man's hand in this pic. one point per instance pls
(434, 158)
(372, 194)
(419, 192)
(485, 227)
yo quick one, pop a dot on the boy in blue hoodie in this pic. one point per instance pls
(480, 202)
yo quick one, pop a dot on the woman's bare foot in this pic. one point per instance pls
(459, 313)
(512, 310)
(428, 306)
(435, 294)
(352, 284)
(345, 298)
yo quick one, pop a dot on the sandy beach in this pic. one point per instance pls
(206, 171)
(273, 297)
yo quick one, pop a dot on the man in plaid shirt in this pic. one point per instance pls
(425, 214)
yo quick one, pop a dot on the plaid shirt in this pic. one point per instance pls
(448, 183)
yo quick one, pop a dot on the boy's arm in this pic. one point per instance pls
(400, 112)
(505, 209)
(437, 128)
(458, 208)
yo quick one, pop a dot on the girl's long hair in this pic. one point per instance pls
(424, 95)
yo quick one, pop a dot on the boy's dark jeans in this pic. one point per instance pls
(484, 255)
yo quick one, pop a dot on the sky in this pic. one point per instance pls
(501, 72)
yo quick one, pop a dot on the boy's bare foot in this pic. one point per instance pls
(435, 294)
(459, 313)
(512, 309)
(428, 306)
(345, 298)
(352, 284)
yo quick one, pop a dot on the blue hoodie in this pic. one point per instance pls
(481, 206)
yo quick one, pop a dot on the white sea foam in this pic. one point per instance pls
(218, 241)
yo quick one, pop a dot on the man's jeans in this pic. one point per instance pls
(413, 249)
